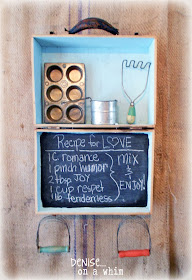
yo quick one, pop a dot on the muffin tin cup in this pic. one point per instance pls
(74, 74)
(64, 93)
(54, 113)
(74, 113)
(74, 93)
(54, 73)
(54, 93)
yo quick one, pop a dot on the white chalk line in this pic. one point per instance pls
(96, 151)
(118, 189)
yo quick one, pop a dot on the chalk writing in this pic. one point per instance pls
(94, 169)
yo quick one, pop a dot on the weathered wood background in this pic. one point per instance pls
(169, 223)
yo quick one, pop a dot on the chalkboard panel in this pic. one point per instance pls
(94, 169)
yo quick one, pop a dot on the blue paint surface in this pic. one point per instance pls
(37, 80)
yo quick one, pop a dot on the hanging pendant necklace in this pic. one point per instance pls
(132, 65)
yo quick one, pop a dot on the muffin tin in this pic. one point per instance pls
(64, 93)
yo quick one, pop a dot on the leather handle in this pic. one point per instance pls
(93, 23)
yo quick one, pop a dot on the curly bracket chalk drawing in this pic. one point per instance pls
(118, 189)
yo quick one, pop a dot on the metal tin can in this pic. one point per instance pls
(103, 112)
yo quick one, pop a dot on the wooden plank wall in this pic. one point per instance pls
(95, 236)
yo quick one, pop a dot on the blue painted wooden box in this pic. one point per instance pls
(103, 58)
